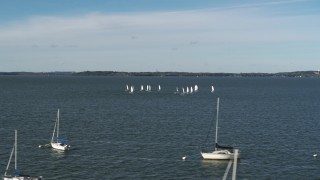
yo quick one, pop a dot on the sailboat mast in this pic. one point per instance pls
(15, 149)
(217, 123)
(54, 130)
(58, 114)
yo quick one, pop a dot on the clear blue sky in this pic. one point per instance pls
(160, 35)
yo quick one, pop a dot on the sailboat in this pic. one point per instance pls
(58, 143)
(196, 88)
(131, 89)
(17, 175)
(183, 92)
(212, 89)
(177, 90)
(220, 152)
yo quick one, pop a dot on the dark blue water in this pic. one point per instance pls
(115, 135)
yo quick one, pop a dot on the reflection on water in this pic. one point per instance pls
(214, 163)
(56, 153)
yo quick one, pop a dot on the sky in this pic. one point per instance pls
(232, 36)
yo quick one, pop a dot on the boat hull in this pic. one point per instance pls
(21, 178)
(60, 146)
(218, 155)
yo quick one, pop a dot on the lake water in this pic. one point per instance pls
(274, 122)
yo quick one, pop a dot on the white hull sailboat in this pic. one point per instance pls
(17, 175)
(58, 143)
(220, 152)
(218, 155)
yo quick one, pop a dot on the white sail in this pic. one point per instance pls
(196, 88)
(149, 88)
(131, 89)
(212, 89)
(191, 89)
(187, 90)
(127, 87)
(141, 89)
(159, 89)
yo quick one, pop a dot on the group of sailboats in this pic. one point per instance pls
(56, 143)
(187, 90)
(181, 91)
(146, 88)
(130, 89)
(219, 152)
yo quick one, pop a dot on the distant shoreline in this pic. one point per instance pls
(205, 74)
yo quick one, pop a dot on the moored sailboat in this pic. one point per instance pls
(220, 152)
(57, 143)
(17, 175)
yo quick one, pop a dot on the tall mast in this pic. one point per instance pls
(15, 150)
(216, 140)
(58, 114)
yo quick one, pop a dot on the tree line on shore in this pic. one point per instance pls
(198, 74)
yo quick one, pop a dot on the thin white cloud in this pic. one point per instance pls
(230, 25)
(261, 4)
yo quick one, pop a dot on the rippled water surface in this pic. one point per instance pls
(275, 122)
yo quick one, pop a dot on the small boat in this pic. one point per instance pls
(57, 143)
(220, 152)
(131, 90)
(183, 92)
(17, 175)
(141, 89)
(212, 89)
(196, 88)
(159, 89)
(177, 90)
